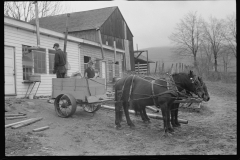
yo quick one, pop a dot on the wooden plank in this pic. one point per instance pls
(12, 124)
(140, 65)
(18, 117)
(57, 87)
(100, 90)
(13, 115)
(81, 82)
(57, 81)
(68, 88)
(40, 129)
(26, 123)
(92, 99)
(68, 82)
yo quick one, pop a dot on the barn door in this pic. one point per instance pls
(9, 68)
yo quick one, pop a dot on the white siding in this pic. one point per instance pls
(17, 33)
(18, 37)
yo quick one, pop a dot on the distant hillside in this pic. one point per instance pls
(166, 55)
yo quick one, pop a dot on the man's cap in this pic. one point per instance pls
(56, 44)
(90, 62)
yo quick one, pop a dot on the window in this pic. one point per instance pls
(39, 61)
(27, 62)
(117, 72)
(86, 60)
(97, 65)
(110, 71)
(51, 55)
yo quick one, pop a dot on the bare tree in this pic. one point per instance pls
(231, 33)
(214, 35)
(206, 55)
(187, 36)
(25, 10)
(226, 55)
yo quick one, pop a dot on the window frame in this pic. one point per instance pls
(39, 60)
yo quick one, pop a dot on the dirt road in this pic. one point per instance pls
(210, 131)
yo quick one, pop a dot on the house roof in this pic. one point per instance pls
(78, 21)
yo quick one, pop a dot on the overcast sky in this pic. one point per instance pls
(152, 22)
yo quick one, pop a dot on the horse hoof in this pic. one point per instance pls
(145, 121)
(178, 125)
(171, 130)
(132, 126)
(118, 127)
(174, 125)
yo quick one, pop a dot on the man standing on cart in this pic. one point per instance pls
(59, 62)
(89, 72)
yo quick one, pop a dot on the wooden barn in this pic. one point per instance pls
(106, 26)
(22, 64)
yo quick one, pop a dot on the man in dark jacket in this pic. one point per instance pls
(59, 62)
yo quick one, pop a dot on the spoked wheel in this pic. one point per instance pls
(65, 105)
(91, 108)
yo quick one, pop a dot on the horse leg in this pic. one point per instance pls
(176, 114)
(173, 115)
(118, 106)
(169, 127)
(141, 113)
(163, 109)
(145, 115)
(125, 108)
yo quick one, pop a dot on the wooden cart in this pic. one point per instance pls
(72, 92)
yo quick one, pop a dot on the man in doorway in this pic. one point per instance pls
(89, 72)
(59, 62)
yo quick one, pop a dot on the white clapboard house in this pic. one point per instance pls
(20, 62)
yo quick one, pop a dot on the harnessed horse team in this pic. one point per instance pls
(138, 92)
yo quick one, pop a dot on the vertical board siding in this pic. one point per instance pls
(18, 37)
(95, 52)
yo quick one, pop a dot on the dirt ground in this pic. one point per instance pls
(211, 130)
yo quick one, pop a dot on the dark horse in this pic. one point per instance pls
(182, 84)
(158, 92)
(183, 81)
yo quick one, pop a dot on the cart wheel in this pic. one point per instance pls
(65, 105)
(91, 108)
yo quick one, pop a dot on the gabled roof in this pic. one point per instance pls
(78, 21)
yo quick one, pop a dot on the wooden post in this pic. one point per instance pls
(156, 66)
(179, 67)
(176, 69)
(37, 23)
(114, 45)
(159, 70)
(138, 67)
(100, 41)
(65, 40)
(147, 63)
(171, 69)
(163, 67)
